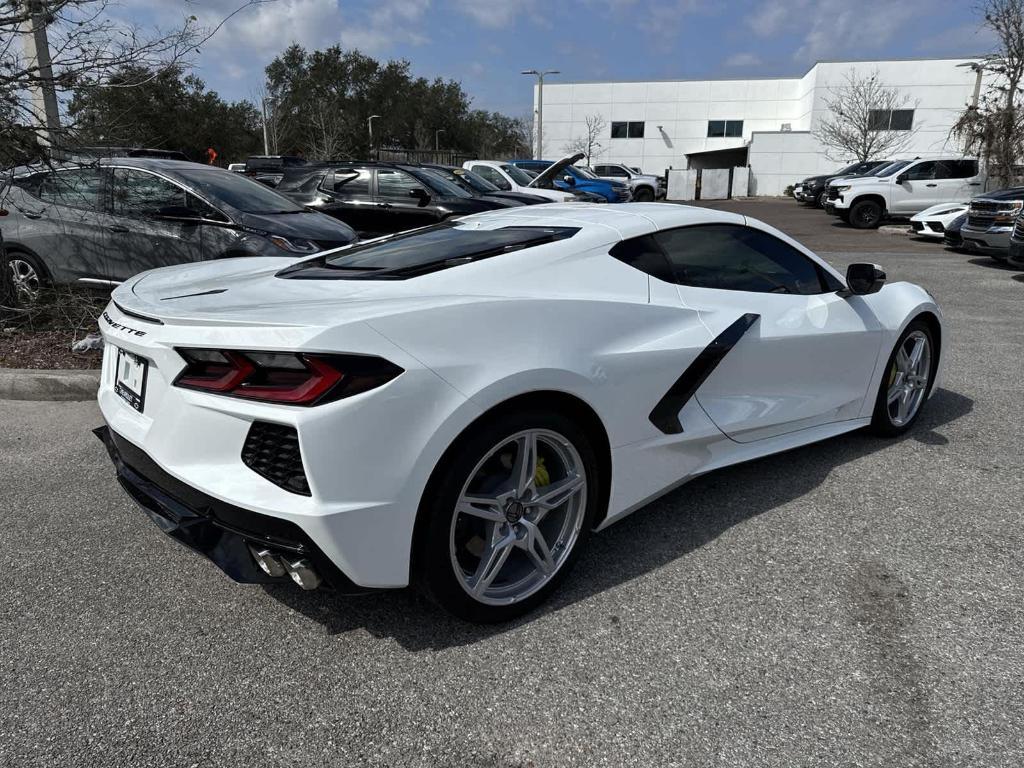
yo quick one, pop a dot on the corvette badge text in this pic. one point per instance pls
(119, 327)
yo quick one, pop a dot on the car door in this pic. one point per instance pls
(350, 198)
(75, 195)
(915, 189)
(796, 353)
(141, 237)
(407, 201)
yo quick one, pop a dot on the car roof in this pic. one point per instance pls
(617, 221)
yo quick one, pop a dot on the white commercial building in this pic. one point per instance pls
(765, 123)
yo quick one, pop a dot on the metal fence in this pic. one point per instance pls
(440, 157)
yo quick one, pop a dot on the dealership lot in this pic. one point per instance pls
(857, 602)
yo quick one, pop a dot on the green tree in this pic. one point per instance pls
(171, 110)
(321, 101)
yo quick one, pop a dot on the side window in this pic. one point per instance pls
(613, 170)
(736, 258)
(961, 169)
(396, 185)
(79, 188)
(492, 176)
(137, 193)
(352, 182)
(644, 254)
(921, 171)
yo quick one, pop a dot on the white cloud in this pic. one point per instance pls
(743, 60)
(496, 14)
(773, 15)
(387, 23)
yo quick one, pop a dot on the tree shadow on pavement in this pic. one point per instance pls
(667, 529)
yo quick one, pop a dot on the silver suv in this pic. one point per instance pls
(645, 187)
(102, 222)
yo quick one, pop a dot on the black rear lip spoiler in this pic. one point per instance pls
(215, 529)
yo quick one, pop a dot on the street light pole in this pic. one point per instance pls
(266, 137)
(437, 142)
(540, 105)
(369, 124)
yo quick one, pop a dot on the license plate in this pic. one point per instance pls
(130, 379)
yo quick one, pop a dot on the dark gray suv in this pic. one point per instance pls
(104, 222)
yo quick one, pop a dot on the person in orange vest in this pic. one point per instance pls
(211, 155)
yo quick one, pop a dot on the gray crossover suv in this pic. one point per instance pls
(104, 222)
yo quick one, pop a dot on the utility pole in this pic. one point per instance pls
(437, 142)
(369, 125)
(540, 106)
(266, 137)
(37, 51)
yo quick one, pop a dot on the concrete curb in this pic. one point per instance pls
(61, 385)
(894, 229)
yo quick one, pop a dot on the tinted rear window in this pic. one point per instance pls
(424, 250)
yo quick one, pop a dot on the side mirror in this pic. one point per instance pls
(863, 278)
(420, 194)
(901, 178)
(177, 213)
(569, 179)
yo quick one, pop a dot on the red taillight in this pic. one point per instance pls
(282, 377)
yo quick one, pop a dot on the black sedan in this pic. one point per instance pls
(377, 198)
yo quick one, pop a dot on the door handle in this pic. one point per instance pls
(118, 228)
(33, 214)
(973, 183)
(931, 185)
(385, 205)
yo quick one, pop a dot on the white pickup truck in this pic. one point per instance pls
(865, 202)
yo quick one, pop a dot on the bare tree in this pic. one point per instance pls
(590, 142)
(864, 122)
(87, 45)
(525, 133)
(51, 49)
(993, 127)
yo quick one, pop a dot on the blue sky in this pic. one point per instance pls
(485, 43)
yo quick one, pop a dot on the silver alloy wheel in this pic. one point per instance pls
(518, 517)
(908, 378)
(25, 279)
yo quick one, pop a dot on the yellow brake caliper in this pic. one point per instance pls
(541, 476)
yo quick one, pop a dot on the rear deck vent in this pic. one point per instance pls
(272, 451)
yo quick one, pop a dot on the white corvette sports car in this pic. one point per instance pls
(460, 406)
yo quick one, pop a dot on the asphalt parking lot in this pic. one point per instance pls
(859, 602)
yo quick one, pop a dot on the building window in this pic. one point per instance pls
(725, 128)
(628, 130)
(891, 119)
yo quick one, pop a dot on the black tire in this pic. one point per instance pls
(434, 570)
(866, 214)
(643, 195)
(881, 418)
(819, 201)
(16, 260)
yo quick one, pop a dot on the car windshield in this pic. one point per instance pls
(439, 184)
(586, 173)
(241, 193)
(425, 250)
(517, 175)
(848, 169)
(479, 183)
(891, 168)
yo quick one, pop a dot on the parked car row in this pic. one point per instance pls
(942, 197)
(99, 221)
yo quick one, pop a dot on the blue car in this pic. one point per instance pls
(573, 179)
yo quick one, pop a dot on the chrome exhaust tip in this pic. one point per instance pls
(302, 573)
(268, 561)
